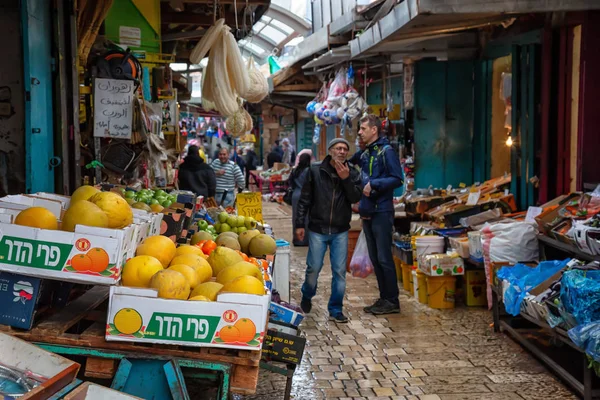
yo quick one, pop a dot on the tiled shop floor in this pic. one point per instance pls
(420, 354)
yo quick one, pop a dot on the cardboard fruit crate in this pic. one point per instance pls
(88, 255)
(138, 315)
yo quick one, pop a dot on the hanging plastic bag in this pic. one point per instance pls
(360, 265)
(338, 86)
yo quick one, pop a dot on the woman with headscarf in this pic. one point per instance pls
(289, 154)
(297, 180)
(197, 176)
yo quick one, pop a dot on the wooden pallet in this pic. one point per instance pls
(82, 323)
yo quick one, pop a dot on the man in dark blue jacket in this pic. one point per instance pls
(381, 174)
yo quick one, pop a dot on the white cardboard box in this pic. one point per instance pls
(138, 315)
(91, 391)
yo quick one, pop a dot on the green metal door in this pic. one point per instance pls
(524, 127)
(443, 123)
(39, 137)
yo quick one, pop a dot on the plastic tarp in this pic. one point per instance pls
(523, 278)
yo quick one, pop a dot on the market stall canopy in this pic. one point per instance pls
(184, 22)
(418, 18)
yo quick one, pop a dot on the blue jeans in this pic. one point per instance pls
(229, 198)
(338, 249)
(378, 232)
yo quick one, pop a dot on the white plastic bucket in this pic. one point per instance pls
(429, 245)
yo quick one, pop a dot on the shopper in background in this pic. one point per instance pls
(219, 147)
(273, 157)
(381, 173)
(277, 148)
(297, 180)
(197, 176)
(289, 153)
(237, 158)
(251, 163)
(327, 196)
(355, 159)
(229, 176)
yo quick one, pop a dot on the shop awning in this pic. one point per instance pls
(461, 45)
(332, 57)
(418, 18)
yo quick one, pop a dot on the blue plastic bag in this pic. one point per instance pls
(580, 295)
(587, 337)
(523, 278)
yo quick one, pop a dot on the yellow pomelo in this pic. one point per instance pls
(240, 269)
(199, 264)
(187, 249)
(37, 217)
(84, 192)
(222, 257)
(170, 285)
(160, 247)
(189, 273)
(128, 321)
(156, 208)
(200, 236)
(116, 208)
(208, 290)
(139, 270)
(244, 284)
(85, 213)
(262, 245)
(199, 298)
(246, 237)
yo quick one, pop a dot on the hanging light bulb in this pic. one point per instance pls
(509, 141)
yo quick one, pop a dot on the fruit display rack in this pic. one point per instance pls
(78, 331)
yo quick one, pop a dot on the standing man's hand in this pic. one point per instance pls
(221, 172)
(367, 190)
(342, 169)
(300, 234)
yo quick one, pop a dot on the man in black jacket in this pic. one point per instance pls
(197, 176)
(327, 197)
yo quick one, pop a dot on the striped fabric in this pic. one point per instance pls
(233, 176)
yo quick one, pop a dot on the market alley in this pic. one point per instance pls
(422, 353)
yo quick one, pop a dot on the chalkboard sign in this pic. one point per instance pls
(113, 108)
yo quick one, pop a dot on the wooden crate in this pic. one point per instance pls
(83, 324)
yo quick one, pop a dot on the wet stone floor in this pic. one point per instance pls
(420, 354)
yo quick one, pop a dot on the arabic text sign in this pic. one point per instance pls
(113, 108)
(250, 205)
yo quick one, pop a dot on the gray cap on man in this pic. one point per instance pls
(335, 141)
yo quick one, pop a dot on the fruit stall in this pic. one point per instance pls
(128, 287)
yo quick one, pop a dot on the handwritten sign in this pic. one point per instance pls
(250, 205)
(473, 198)
(113, 108)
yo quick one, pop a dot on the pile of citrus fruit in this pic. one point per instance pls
(192, 272)
(89, 206)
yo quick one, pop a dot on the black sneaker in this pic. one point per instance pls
(370, 308)
(340, 318)
(306, 305)
(386, 307)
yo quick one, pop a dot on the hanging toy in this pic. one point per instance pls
(317, 134)
(310, 107)
(350, 75)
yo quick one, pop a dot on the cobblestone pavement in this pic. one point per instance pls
(420, 354)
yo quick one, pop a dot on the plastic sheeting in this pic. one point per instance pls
(523, 278)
